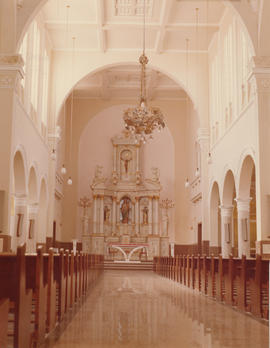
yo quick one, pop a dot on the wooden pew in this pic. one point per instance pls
(51, 292)
(13, 286)
(59, 277)
(35, 280)
(4, 308)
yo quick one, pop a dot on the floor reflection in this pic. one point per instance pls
(141, 309)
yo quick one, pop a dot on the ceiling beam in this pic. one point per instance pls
(165, 14)
(100, 22)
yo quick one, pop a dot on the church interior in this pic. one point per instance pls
(134, 181)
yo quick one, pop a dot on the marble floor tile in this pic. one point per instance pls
(134, 309)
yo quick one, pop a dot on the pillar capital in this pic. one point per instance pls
(226, 210)
(33, 208)
(260, 74)
(20, 200)
(203, 137)
(11, 71)
(243, 204)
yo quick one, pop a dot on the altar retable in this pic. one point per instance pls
(126, 208)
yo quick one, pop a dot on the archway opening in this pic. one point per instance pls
(247, 195)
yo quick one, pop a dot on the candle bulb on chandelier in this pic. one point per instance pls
(63, 170)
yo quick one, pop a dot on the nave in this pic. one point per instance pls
(140, 309)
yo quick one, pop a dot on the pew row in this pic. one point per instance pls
(38, 289)
(241, 283)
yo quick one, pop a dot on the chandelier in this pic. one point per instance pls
(142, 120)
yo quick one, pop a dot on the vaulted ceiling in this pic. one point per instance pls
(116, 25)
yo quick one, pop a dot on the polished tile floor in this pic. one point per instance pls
(136, 309)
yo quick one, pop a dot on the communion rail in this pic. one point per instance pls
(241, 283)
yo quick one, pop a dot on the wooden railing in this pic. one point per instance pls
(241, 283)
(36, 291)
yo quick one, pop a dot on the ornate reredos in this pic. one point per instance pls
(126, 171)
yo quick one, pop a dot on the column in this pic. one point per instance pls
(32, 226)
(21, 217)
(243, 207)
(155, 215)
(150, 215)
(114, 157)
(95, 214)
(114, 215)
(203, 140)
(101, 214)
(117, 212)
(260, 90)
(226, 230)
(137, 216)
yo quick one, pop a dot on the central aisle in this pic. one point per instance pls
(140, 309)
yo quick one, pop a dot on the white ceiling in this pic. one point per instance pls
(116, 25)
(124, 82)
(98, 25)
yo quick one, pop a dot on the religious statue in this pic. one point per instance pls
(125, 208)
(98, 178)
(106, 214)
(145, 215)
(126, 158)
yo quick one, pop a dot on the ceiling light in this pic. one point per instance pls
(63, 170)
(142, 120)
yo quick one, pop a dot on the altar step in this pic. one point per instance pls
(132, 266)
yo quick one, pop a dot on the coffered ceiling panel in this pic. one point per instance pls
(130, 38)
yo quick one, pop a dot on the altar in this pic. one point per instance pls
(126, 218)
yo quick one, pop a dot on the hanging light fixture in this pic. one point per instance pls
(69, 182)
(142, 120)
(187, 184)
(63, 169)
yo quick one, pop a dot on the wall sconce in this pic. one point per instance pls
(197, 173)
(69, 182)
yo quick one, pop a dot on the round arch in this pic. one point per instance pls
(247, 169)
(19, 173)
(229, 191)
(32, 186)
(247, 195)
(179, 82)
